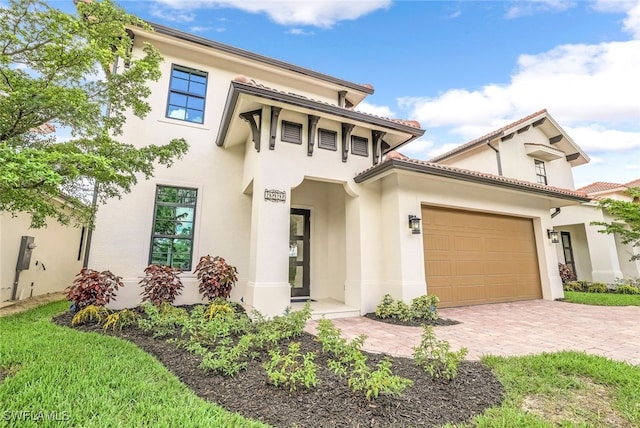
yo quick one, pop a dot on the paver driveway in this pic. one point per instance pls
(517, 328)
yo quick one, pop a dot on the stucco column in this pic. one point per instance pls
(268, 289)
(604, 255)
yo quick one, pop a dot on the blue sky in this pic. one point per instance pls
(461, 68)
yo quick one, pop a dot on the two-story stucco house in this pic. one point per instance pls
(594, 256)
(290, 183)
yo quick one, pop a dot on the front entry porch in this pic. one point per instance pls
(327, 308)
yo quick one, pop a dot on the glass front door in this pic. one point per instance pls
(299, 252)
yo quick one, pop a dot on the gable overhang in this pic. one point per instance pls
(244, 98)
(556, 197)
(559, 140)
(354, 92)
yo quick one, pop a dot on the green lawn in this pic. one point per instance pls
(91, 380)
(602, 299)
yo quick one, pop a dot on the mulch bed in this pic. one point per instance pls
(429, 402)
(413, 323)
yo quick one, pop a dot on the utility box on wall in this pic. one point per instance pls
(24, 255)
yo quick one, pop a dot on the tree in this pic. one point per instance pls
(76, 73)
(626, 212)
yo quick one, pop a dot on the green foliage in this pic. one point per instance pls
(57, 70)
(347, 360)
(423, 307)
(627, 216)
(93, 288)
(627, 289)
(229, 359)
(435, 356)
(390, 308)
(161, 284)
(90, 313)
(218, 308)
(575, 286)
(378, 381)
(119, 320)
(598, 287)
(292, 369)
(281, 327)
(163, 320)
(602, 299)
(216, 277)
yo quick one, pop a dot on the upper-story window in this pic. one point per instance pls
(187, 91)
(541, 173)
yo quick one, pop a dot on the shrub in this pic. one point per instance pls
(425, 307)
(566, 273)
(379, 381)
(575, 286)
(90, 313)
(435, 357)
(292, 369)
(93, 288)
(120, 319)
(390, 308)
(598, 287)
(627, 289)
(161, 284)
(216, 277)
(227, 359)
(218, 308)
(162, 320)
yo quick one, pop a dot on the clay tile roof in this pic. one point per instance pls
(634, 183)
(395, 155)
(600, 186)
(248, 81)
(469, 175)
(491, 135)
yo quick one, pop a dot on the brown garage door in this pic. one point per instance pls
(474, 257)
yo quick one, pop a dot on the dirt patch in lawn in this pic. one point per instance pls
(429, 402)
(589, 404)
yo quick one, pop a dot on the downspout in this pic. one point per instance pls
(499, 162)
(94, 200)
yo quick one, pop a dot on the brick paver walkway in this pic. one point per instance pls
(517, 328)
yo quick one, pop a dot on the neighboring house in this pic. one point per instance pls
(307, 198)
(595, 256)
(53, 262)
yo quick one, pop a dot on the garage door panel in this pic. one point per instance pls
(473, 258)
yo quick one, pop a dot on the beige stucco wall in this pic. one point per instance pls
(514, 160)
(54, 261)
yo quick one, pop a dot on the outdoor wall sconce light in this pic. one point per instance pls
(553, 235)
(414, 224)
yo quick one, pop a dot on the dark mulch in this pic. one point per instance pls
(429, 402)
(413, 323)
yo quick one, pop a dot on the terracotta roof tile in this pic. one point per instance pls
(248, 81)
(491, 177)
(634, 183)
(600, 186)
(472, 143)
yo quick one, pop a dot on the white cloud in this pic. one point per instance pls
(592, 88)
(300, 32)
(322, 14)
(172, 16)
(524, 8)
(382, 111)
(597, 138)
